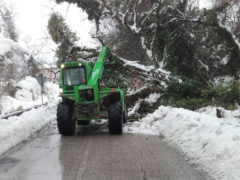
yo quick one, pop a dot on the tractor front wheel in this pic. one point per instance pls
(115, 118)
(66, 124)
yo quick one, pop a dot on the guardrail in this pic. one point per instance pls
(17, 113)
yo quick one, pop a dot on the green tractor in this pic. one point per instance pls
(83, 98)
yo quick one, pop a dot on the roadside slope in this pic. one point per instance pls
(15, 130)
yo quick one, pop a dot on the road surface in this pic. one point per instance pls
(92, 154)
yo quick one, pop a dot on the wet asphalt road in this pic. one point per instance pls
(92, 154)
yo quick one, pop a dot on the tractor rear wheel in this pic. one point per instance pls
(66, 124)
(115, 118)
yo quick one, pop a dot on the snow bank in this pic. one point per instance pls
(152, 98)
(135, 108)
(52, 91)
(19, 128)
(28, 95)
(132, 91)
(137, 65)
(7, 45)
(225, 80)
(29, 89)
(230, 115)
(210, 143)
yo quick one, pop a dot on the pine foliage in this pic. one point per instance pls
(63, 37)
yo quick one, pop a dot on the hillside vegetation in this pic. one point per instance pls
(198, 47)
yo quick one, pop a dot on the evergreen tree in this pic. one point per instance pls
(63, 37)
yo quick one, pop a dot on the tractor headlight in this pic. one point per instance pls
(80, 64)
(62, 66)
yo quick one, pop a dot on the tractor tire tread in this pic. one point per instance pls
(64, 122)
(115, 118)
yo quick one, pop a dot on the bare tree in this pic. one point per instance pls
(7, 15)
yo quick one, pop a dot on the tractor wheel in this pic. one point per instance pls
(66, 125)
(115, 118)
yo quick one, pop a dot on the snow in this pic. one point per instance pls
(148, 51)
(13, 60)
(205, 4)
(236, 40)
(136, 65)
(149, 69)
(28, 95)
(7, 45)
(52, 91)
(135, 108)
(211, 110)
(225, 60)
(203, 65)
(15, 130)
(152, 98)
(225, 80)
(132, 91)
(212, 144)
(29, 89)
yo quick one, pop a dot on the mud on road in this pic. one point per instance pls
(92, 154)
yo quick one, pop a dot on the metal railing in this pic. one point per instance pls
(17, 113)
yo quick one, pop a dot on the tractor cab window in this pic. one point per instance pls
(74, 76)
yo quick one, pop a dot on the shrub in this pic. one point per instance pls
(223, 95)
(187, 88)
(192, 94)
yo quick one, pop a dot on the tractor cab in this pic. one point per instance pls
(74, 76)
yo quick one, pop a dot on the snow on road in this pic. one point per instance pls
(210, 143)
(16, 129)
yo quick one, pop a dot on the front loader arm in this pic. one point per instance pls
(99, 66)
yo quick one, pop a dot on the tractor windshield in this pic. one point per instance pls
(74, 76)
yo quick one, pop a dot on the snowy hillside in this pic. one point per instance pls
(18, 89)
(28, 94)
(16, 129)
(14, 58)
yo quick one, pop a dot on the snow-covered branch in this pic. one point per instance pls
(236, 41)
